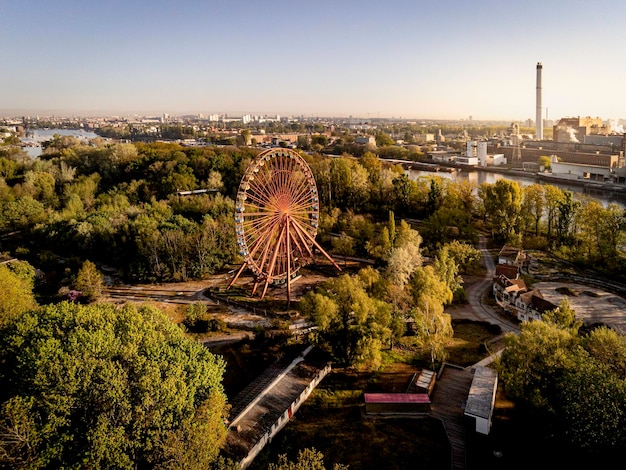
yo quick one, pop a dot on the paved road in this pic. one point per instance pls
(476, 309)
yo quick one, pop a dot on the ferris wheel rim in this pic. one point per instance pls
(277, 214)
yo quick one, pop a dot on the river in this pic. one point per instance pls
(478, 177)
(35, 137)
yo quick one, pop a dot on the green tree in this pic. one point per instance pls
(23, 213)
(405, 256)
(97, 386)
(403, 192)
(89, 281)
(350, 322)
(435, 196)
(447, 270)
(538, 352)
(433, 328)
(465, 255)
(344, 246)
(574, 386)
(383, 139)
(544, 161)
(600, 231)
(563, 316)
(607, 346)
(533, 206)
(502, 201)
(553, 195)
(567, 208)
(16, 286)
(308, 459)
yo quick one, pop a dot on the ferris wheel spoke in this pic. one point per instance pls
(277, 217)
(300, 242)
(264, 237)
(263, 257)
(302, 204)
(297, 181)
(306, 217)
(260, 238)
(260, 219)
(259, 224)
(262, 194)
(259, 201)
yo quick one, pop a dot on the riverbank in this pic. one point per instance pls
(587, 186)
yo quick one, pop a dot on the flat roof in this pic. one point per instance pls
(482, 393)
(397, 398)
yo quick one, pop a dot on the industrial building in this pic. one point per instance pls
(575, 129)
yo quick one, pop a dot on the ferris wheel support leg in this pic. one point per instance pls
(267, 282)
(243, 266)
(312, 240)
(270, 270)
(288, 241)
(326, 255)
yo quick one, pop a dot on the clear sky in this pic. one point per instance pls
(438, 59)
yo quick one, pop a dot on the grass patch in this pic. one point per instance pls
(472, 342)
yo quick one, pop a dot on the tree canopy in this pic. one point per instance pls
(16, 285)
(574, 385)
(97, 386)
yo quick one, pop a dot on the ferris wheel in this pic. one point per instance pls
(276, 218)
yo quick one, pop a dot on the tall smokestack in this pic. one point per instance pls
(538, 118)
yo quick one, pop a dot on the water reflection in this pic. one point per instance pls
(36, 137)
(479, 177)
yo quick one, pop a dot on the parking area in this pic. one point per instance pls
(591, 304)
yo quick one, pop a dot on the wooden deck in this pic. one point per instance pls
(258, 408)
(448, 404)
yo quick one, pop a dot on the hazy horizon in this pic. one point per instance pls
(409, 59)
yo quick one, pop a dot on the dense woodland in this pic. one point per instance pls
(81, 210)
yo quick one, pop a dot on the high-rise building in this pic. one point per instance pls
(538, 116)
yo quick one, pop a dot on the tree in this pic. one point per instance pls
(539, 352)
(405, 256)
(350, 182)
(22, 213)
(350, 322)
(575, 386)
(600, 231)
(89, 281)
(308, 459)
(433, 327)
(383, 139)
(502, 202)
(97, 386)
(16, 285)
(607, 346)
(447, 270)
(533, 206)
(344, 245)
(567, 208)
(435, 196)
(553, 195)
(465, 255)
(563, 316)
(403, 191)
(544, 161)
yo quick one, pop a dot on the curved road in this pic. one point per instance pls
(478, 310)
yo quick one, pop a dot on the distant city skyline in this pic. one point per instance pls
(408, 59)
